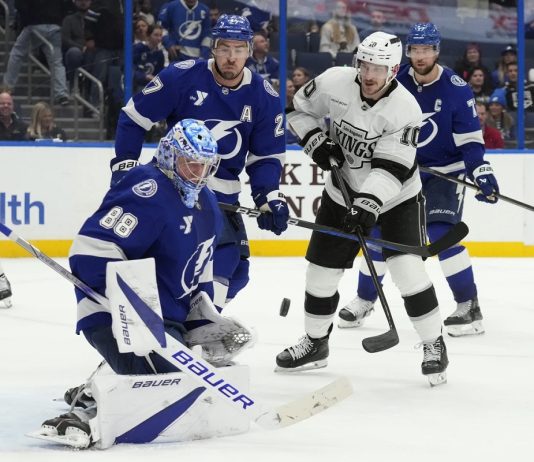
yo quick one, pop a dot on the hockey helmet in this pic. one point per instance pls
(425, 33)
(187, 154)
(383, 49)
(232, 27)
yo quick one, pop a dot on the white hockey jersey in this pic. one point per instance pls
(378, 141)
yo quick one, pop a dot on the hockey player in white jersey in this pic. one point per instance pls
(374, 123)
(450, 141)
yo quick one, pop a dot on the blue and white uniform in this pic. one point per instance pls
(187, 27)
(248, 125)
(142, 217)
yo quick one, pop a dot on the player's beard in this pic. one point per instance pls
(228, 75)
(424, 70)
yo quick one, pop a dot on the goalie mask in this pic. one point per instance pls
(187, 154)
(381, 49)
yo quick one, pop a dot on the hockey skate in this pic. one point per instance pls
(308, 353)
(220, 353)
(354, 313)
(70, 429)
(435, 361)
(79, 396)
(466, 320)
(5, 292)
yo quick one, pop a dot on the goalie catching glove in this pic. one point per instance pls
(320, 147)
(275, 203)
(363, 212)
(483, 177)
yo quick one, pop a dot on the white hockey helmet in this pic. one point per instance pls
(383, 49)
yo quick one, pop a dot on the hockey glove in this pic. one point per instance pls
(120, 169)
(364, 213)
(486, 182)
(274, 202)
(320, 147)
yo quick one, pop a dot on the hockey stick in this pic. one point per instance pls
(455, 234)
(469, 185)
(390, 338)
(213, 379)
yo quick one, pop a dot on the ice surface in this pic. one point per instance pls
(484, 413)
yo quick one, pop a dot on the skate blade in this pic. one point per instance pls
(77, 440)
(459, 330)
(305, 367)
(439, 378)
(342, 324)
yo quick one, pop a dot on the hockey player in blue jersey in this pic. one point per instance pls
(162, 211)
(243, 112)
(450, 141)
(188, 24)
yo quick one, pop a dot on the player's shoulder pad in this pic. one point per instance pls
(452, 78)
(402, 107)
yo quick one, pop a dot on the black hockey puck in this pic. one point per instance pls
(284, 307)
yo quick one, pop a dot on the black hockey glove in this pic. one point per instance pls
(319, 147)
(487, 183)
(363, 212)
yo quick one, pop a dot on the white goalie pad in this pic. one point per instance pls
(162, 408)
(137, 326)
(223, 338)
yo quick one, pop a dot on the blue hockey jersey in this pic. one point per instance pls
(246, 121)
(189, 28)
(146, 62)
(268, 69)
(450, 135)
(142, 217)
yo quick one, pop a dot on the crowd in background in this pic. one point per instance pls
(88, 34)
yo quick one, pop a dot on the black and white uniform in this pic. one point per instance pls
(379, 142)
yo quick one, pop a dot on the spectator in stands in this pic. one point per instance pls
(339, 35)
(260, 61)
(300, 76)
(492, 136)
(75, 50)
(510, 90)
(188, 24)
(104, 33)
(140, 30)
(472, 57)
(42, 125)
(11, 127)
(148, 58)
(499, 118)
(378, 21)
(477, 81)
(215, 12)
(143, 9)
(508, 55)
(44, 17)
(259, 18)
(290, 93)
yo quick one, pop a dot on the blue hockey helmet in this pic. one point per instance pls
(425, 33)
(187, 154)
(232, 27)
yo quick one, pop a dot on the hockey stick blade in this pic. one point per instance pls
(456, 234)
(381, 342)
(203, 372)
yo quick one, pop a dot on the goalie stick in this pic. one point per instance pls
(467, 184)
(455, 234)
(210, 377)
(390, 338)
